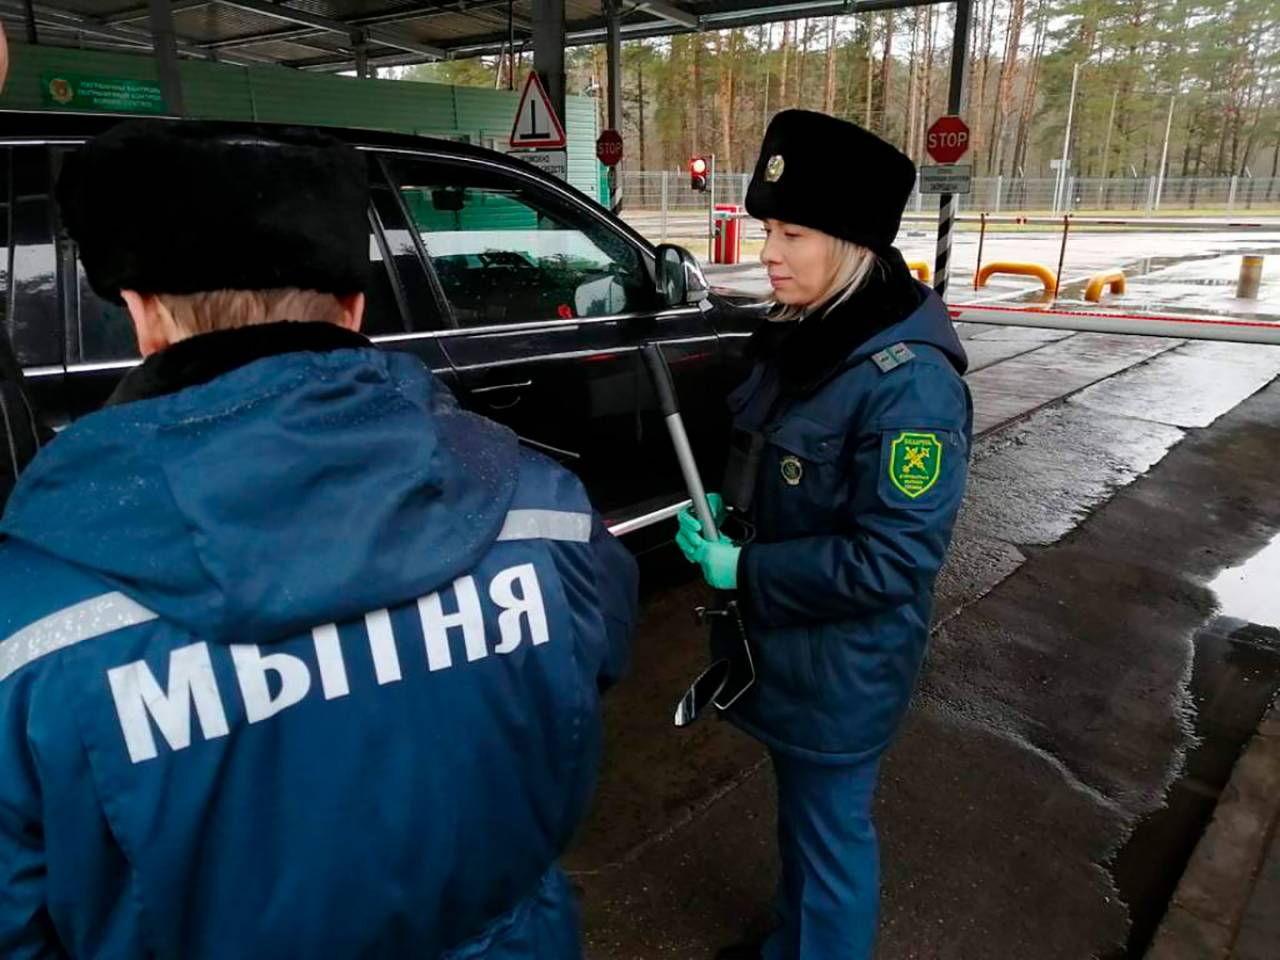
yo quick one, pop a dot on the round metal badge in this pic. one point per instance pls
(773, 170)
(792, 471)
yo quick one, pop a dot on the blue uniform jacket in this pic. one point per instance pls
(300, 662)
(857, 491)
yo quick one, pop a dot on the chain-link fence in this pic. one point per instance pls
(1144, 195)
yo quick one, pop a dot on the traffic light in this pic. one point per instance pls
(698, 173)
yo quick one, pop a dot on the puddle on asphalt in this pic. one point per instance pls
(1249, 591)
(1235, 679)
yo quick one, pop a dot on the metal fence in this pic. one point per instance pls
(672, 192)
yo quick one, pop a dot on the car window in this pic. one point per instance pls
(420, 302)
(106, 332)
(505, 251)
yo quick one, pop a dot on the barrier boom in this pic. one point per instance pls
(1149, 325)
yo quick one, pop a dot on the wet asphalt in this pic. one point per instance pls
(1120, 488)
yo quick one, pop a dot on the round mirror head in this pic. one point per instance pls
(671, 276)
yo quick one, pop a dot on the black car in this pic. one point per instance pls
(526, 297)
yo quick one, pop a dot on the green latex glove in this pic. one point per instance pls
(689, 521)
(716, 503)
(718, 558)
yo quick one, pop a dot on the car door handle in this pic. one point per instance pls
(503, 386)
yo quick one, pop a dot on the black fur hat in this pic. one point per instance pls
(833, 176)
(164, 206)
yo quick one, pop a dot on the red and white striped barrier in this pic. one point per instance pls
(1153, 223)
(1150, 325)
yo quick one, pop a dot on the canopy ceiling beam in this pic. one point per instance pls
(669, 12)
(375, 34)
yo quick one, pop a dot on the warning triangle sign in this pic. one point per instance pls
(536, 122)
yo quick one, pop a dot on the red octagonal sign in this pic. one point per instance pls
(948, 139)
(609, 147)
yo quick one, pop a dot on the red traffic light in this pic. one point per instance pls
(698, 167)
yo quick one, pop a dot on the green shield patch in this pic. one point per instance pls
(915, 462)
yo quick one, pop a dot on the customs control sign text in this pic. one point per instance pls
(554, 162)
(77, 91)
(946, 178)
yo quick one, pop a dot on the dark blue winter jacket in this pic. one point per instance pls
(857, 491)
(301, 661)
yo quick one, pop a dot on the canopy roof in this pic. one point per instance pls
(324, 34)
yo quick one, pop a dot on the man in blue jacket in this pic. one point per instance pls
(297, 658)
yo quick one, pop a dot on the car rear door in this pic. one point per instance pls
(546, 301)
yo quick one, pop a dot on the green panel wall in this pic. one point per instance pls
(280, 95)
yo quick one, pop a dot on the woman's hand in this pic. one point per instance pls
(718, 558)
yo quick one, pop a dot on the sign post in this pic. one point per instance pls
(946, 142)
(711, 208)
(537, 135)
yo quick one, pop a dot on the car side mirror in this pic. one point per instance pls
(680, 279)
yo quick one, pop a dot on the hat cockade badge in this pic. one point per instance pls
(773, 171)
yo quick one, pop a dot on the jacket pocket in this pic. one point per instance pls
(785, 661)
(803, 463)
(808, 439)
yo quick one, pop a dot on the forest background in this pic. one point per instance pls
(1217, 62)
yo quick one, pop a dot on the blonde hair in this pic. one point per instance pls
(197, 313)
(851, 267)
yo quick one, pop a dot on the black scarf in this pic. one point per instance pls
(808, 352)
(189, 363)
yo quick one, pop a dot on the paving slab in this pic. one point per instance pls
(1220, 878)
(1190, 386)
(986, 353)
(1259, 935)
(1184, 936)
(1012, 389)
(1225, 906)
(1034, 481)
(1036, 334)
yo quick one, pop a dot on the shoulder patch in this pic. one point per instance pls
(893, 357)
(915, 462)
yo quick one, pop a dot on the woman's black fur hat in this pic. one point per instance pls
(162, 206)
(833, 176)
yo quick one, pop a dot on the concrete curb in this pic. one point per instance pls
(1216, 912)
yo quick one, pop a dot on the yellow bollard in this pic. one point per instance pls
(1250, 277)
(921, 270)
(1115, 280)
(1044, 274)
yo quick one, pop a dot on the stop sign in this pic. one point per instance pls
(609, 147)
(947, 140)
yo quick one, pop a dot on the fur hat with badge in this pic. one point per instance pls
(831, 175)
(178, 207)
